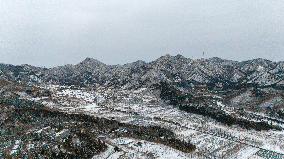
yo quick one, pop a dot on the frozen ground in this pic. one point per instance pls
(140, 107)
(133, 148)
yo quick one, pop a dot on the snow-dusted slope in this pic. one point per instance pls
(226, 109)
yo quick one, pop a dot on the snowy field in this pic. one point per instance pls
(133, 148)
(142, 108)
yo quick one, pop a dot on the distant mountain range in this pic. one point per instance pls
(214, 72)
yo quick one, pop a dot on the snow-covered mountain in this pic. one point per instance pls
(172, 107)
(167, 68)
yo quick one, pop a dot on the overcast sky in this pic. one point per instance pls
(57, 32)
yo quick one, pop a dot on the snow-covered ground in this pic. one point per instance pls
(143, 108)
(245, 153)
(140, 149)
(15, 147)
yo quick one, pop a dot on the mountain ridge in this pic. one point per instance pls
(169, 68)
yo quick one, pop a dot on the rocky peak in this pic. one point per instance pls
(176, 61)
(91, 62)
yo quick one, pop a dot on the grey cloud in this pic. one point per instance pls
(57, 32)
